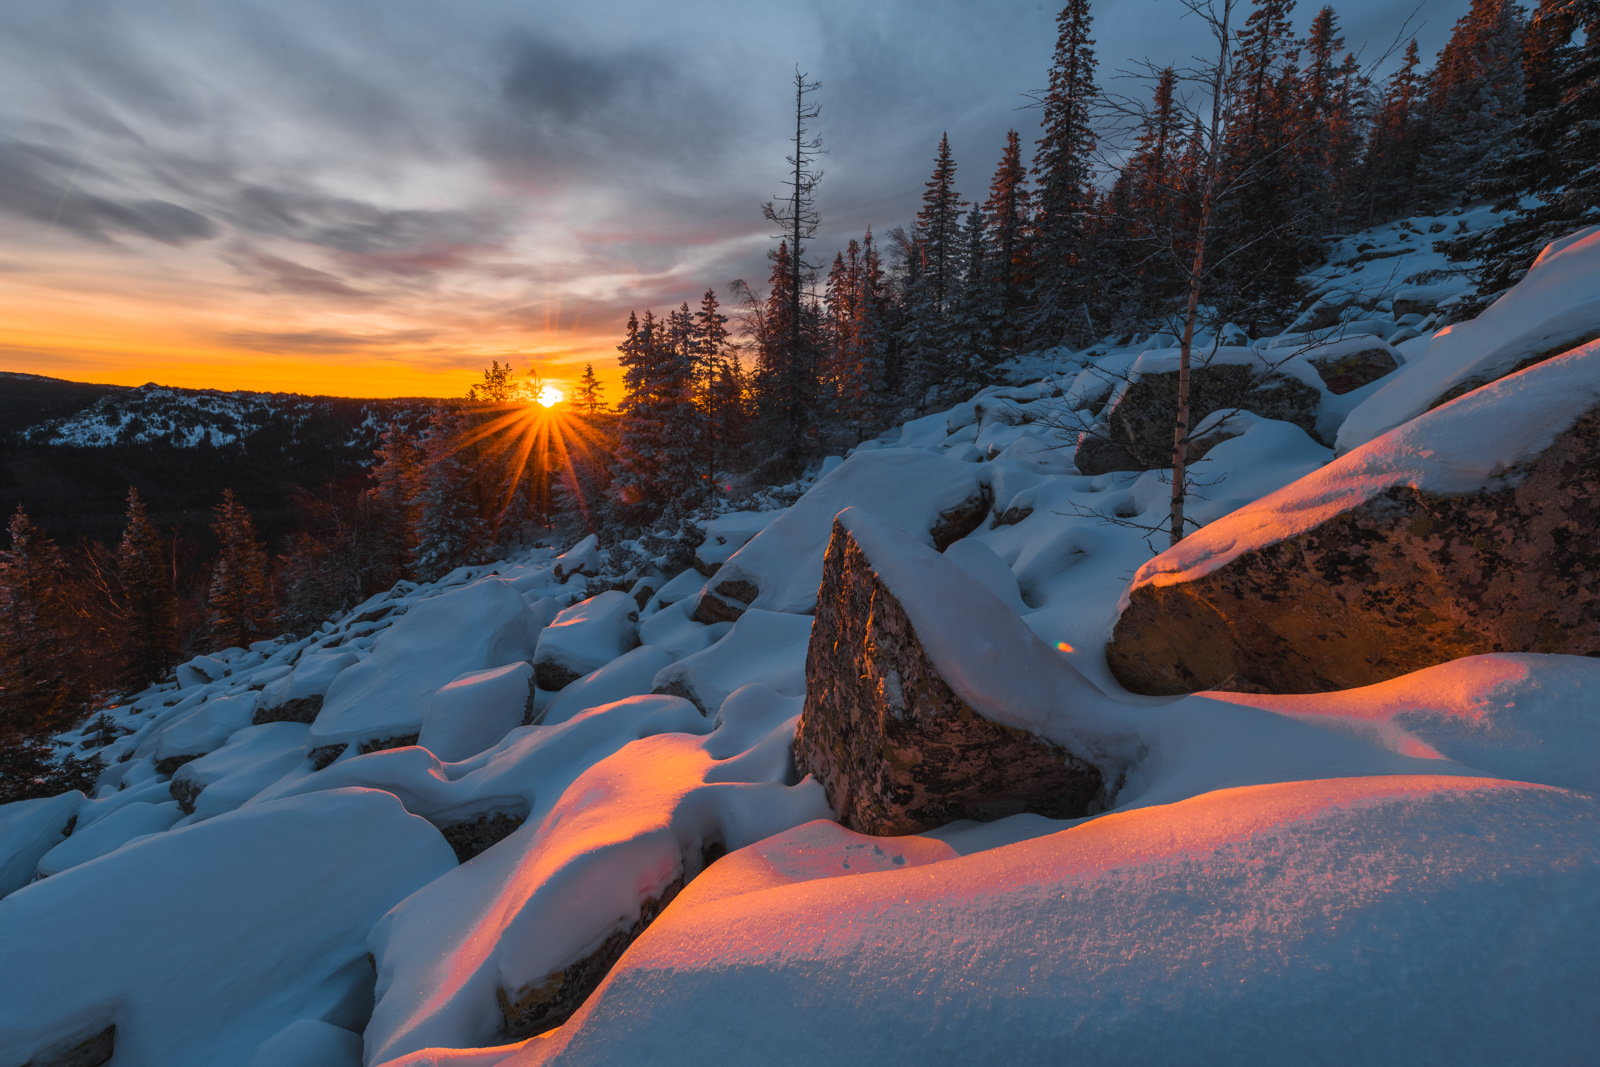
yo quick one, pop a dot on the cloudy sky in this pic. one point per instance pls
(378, 197)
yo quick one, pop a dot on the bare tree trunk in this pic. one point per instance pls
(1180, 426)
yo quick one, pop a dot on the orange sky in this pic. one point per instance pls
(73, 315)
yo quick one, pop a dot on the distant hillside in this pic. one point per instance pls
(70, 450)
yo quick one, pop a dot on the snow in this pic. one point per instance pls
(471, 627)
(554, 890)
(109, 834)
(1555, 306)
(1400, 873)
(906, 486)
(590, 634)
(476, 710)
(1389, 919)
(186, 981)
(728, 532)
(763, 646)
(1471, 443)
(629, 675)
(987, 654)
(28, 830)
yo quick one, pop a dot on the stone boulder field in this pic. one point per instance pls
(927, 757)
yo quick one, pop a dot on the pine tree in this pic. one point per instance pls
(396, 480)
(1009, 213)
(1262, 242)
(1146, 239)
(1389, 169)
(588, 400)
(788, 373)
(1326, 128)
(1064, 168)
(449, 531)
(42, 681)
(150, 606)
(658, 462)
(1556, 165)
(1474, 99)
(976, 312)
(239, 602)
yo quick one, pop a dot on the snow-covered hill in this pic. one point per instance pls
(385, 844)
(189, 418)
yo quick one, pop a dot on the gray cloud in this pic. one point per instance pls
(331, 341)
(43, 184)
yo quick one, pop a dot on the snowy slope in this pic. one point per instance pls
(1400, 873)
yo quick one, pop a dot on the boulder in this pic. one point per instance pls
(1347, 365)
(584, 638)
(1134, 432)
(938, 499)
(476, 710)
(1553, 309)
(1468, 530)
(929, 700)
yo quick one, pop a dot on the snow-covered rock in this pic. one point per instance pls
(929, 700)
(476, 710)
(936, 499)
(1394, 919)
(1461, 532)
(200, 943)
(383, 699)
(28, 830)
(1554, 308)
(763, 646)
(298, 695)
(727, 534)
(109, 834)
(629, 675)
(584, 638)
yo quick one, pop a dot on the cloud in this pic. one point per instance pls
(283, 275)
(42, 184)
(332, 341)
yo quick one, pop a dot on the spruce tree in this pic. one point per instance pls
(1474, 99)
(1064, 168)
(150, 606)
(1389, 168)
(589, 400)
(1009, 214)
(239, 602)
(449, 530)
(42, 679)
(658, 462)
(396, 480)
(1550, 186)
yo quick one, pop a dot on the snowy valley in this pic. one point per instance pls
(942, 762)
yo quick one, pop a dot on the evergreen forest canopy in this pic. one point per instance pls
(1198, 200)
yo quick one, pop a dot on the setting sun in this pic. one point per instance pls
(550, 395)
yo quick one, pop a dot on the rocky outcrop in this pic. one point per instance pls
(547, 1004)
(1346, 367)
(955, 523)
(1135, 433)
(896, 747)
(725, 602)
(1394, 580)
(468, 837)
(301, 709)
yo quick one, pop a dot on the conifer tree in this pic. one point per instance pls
(449, 530)
(976, 312)
(239, 602)
(1474, 99)
(1146, 238)
(1389, 168)
(589, 400)
(1064, 197)
(788, 373)
(149, 603)
(42, 681)
(657, 458)
(396, 480)
(1009, 213)
(1260, 225)
(1550, 185)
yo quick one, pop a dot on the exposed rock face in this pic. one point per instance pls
(1404, 581)
(725, 602)
(303, 709)
(323, 755)
(471, 836)
(1136, 434)
(170, 764)
(185, 791)
(1345, 372)
(381, 744)
(896, 749)
(955, 523)
(547, 1004)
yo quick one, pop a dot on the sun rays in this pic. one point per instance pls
(537, 442)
